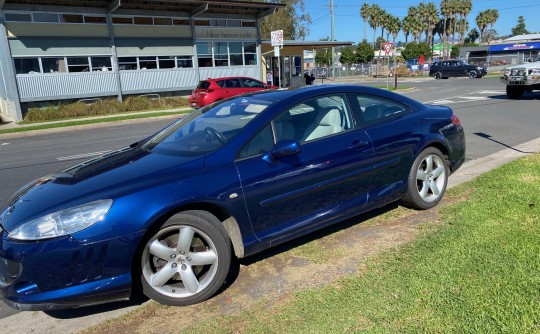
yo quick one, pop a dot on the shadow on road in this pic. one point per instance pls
(488, 137)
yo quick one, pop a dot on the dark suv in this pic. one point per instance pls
(456, 68)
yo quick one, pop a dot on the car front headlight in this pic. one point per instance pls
(63, 222)
(506, 72)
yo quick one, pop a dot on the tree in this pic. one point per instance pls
(364, 13)
(493, 16)
(455, 51)
(415, 50)
(323, 57)
(472, 36)
(364, 52)
(520, 29)
(375, 13)
(293, 20)
(482, 23)
(348, 56)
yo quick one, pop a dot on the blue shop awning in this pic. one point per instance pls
(515, 47)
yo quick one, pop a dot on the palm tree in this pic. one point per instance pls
(482, 22)
(465, 9)
(445, 11)
(364, 13)
(421, 11)
(454, 12)
(432, 17)
(374, 17)
(394, 27)
(493, 16)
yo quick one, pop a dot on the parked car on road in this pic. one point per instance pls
(211, 90)
(456, 68)
(166, 215)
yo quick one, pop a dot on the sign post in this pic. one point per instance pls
(277, 42)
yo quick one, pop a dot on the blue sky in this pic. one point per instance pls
(349, 26)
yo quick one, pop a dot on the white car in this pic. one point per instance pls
(521, 78)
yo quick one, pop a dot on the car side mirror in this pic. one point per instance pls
(282, 149)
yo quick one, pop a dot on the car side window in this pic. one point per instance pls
(314, 118)
(374, 109)
(249, 83)
(262, 142)
(232, 83)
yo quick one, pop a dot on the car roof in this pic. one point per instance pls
(310, 91)
(228, 78)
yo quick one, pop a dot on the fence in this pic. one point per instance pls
(503, 60)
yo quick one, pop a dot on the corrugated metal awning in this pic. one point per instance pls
(256, 8)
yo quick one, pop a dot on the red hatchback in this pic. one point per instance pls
(211, 90)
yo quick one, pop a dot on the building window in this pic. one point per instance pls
(250, 53)
(162, 21)
(18, 17)
(226, 54)
(78, 64)
(27, 65)
(95, 19)
(204, 54)
(127, 63)
(236, 53)
(177, 22)
(147, 63)
(202, 22)
(143, 20)
(248, 24)
(221, 54)
(122, 20)
(160, 62)
(71, 18)
(45, 17)
(234, 23)
(54, 65)
(184, 62)
(166, 62)
(102, 64)
(218, 23)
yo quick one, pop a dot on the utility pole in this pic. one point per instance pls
(332, 37)
(332, 33)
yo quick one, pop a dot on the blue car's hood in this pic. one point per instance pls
(107, 177)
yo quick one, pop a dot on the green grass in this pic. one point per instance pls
(391, 87)
(88, 120)
(477, 272)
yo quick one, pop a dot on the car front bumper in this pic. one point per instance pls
(65, 273)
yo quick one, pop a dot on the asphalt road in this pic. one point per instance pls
(491, 121)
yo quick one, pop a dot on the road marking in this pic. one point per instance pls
(475, 98)
(4, 144)
(467, 97)
(81, 156)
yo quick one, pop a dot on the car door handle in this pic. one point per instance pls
(358, 144)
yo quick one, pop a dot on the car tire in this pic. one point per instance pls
(514, 92)
(186, 261)
(427, 180)
(438, 75)
(472, 74)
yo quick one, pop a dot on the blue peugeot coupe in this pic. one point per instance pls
(166, 215)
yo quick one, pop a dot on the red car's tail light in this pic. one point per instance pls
(455, 120)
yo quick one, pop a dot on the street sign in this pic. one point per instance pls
(277, 37)
(387, 47)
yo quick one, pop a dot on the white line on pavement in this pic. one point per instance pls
(80, 156)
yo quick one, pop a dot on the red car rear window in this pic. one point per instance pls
(203, 85)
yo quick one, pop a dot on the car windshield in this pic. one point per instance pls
(207, 129)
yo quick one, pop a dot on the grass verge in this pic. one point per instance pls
(476, 271)
(87, 121)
